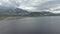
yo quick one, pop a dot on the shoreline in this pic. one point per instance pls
(17, 17)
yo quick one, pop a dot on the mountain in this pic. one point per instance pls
(12, 11)
(18, 10)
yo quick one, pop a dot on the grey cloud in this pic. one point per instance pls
(49, 4)
(37, 4)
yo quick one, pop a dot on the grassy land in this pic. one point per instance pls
(2, 17)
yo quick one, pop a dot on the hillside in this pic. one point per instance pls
(8, 11)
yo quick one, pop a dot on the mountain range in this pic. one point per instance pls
(12, 9)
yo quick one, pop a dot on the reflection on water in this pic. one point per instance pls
(32, 25)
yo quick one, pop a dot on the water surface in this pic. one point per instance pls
(32, 25)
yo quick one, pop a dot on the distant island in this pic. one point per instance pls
(43, 14)
(17, 12)
(6, 11)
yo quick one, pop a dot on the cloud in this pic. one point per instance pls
(31, 4)
(49, 4)
(22, 3)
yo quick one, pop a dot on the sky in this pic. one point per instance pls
(33, 5)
